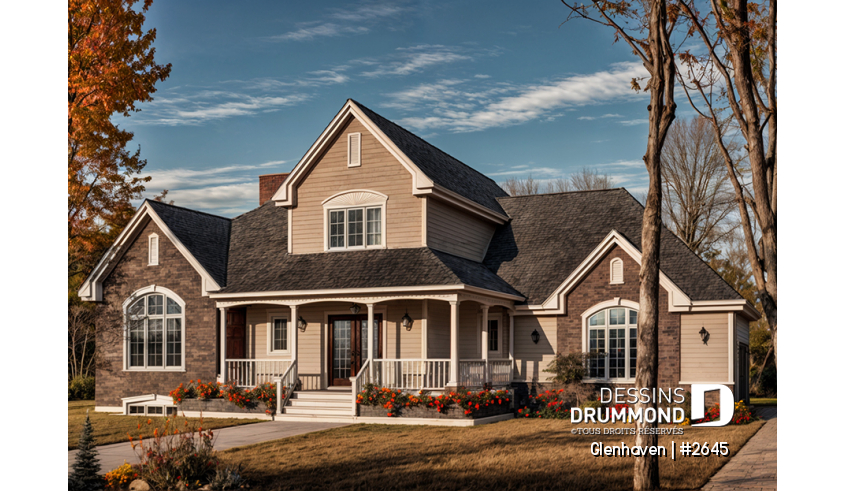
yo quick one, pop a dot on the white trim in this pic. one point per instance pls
(355, 197)
(359, 291)
(585, 340)
(424, 231)
(150, 239)
(421, 184)
(290, 230)
(685, 382)
(108, 409)
(621, 279)
(329, 207)
(168, 294)
(350, 152)
(272, 315)
(732, 344)
(92, 288)
(145, 400)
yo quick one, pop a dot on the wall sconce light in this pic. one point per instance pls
(705, 336)
(535, 336)
(301, 324)
(355, 308)
(407, 322)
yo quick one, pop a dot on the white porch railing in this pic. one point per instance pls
(249, 372)
(474, 373)
(412, 374)
(358, 383)
(285, 386)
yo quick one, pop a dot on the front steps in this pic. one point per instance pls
(318, 404)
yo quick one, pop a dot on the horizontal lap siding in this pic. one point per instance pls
(456, 232)
(468, 342)
(438, 329)
(379, 171)
(531, 359)
(257, 318)
(700, 362)
(400, 342)
(742, 330)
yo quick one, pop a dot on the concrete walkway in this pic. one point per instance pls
(112, 456)
(756, 465)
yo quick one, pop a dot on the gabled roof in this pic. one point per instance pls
(440, 167)
(259, 262)
(201, 238)
(205, 236)
(550, 235)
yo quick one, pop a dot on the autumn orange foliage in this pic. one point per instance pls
(111, 67)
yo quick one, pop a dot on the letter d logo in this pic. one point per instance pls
(726, 403)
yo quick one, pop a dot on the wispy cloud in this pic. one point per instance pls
(417, 58)
(343, 22)
(603, 116)
(633, 122)
(228, 190)
(209, 105)
(452, 105)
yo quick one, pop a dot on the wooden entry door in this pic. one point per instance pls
(348, 346)
(236, 333)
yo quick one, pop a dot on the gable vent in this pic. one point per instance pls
(616, 271)
(153, 250)
(354, 150)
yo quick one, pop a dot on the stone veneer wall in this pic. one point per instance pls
(175, 273)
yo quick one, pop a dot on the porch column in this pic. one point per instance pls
(294, 323)
(424, 326)
(370, 337)
(485, 346)
(223, 311)
(453, 363)
(510, 338)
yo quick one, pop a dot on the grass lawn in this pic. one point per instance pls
(764, 401)
(516, 454)
(113, 429)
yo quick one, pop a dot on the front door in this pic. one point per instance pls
(235, 333)
(348, 346)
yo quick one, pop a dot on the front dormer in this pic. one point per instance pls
(367, 183)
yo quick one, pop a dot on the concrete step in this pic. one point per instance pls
(311, 411)
(322, 395)
(319, 403)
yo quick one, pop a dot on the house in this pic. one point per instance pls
(462, 284)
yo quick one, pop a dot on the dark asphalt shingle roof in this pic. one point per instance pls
(258, 261)
(440, 167)
(206, 236)
(549, 235)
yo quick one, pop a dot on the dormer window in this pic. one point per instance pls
(616, 272)
(355, 228)
(355, 220)
(152, 259)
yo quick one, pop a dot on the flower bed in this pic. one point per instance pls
(217, 397)
(379, 402)
(742, 415)
(549, 405)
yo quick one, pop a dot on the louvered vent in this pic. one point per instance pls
(153, 259)
(354, 150)
(616, 271)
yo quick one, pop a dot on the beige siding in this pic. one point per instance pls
(700, 362)
(531, 359)
(742, 330)
(469, 343)
(456, 232)
(257, 320)
(438, 329)
(379, 171)
(400, 343)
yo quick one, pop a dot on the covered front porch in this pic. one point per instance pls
(421, 341)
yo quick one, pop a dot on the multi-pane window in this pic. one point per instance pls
(612, 343)
(155, 333)
(355, 228)
(493, 335)
(280, 334)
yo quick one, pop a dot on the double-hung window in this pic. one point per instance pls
(155, 334)
(279, 335)
(612, 338)
(355, 228)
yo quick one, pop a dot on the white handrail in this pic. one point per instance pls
(358, 383)
(254, 371)
(285, 385)
(412, 373)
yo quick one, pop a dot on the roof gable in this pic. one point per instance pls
(432, 170)
(201, 238)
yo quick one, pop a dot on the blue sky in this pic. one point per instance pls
(502, 86)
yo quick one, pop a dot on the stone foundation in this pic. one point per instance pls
(455, 412)
(218, 406)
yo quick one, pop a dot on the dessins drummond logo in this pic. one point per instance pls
(621, 399)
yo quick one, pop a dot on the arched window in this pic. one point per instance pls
(612, 344)
(155, 331)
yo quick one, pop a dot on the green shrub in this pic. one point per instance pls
(568, 368)
(81, 388)
(592, 404)
(768, 385)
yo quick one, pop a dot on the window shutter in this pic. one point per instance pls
(354, 150)
(616, 271)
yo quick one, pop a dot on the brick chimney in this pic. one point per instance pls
(268, 184)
